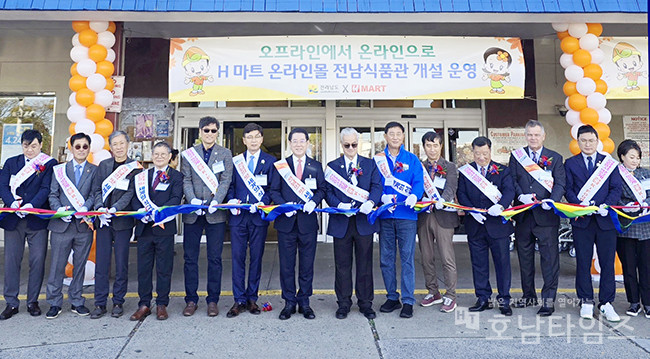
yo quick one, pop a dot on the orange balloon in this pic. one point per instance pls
(589, 116)
(569, 88)
(97, 53)
(577, 102)
(111, 27)
(90, 157)
(107, 147)
(110, 84)
(77, 82)
(88, 38)
(594, 28)
(593, 71)
(602, 129)
(573, 147)
(104, 128)
(570, 44)
(71, 130)
(563, 34)
(608, 145)
(601, 86)
(581, 58)
(68, 270)
(79, 26)
(85, 97)
(95, 112)
(105, 68)
(73, 69)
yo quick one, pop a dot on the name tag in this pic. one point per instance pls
(389, 182)
(162, 186)
(646, 184)
(439, 182)
(310, 182)
(122, 185)
(261, 180)
(218, 167)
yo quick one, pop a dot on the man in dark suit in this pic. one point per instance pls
(156, 187)
(297, 231)
(596, 229)
(66, 234)
(25, 183)
(353, 234)
(487, 234)
(248, 229)
(113, 184)
(545, 181)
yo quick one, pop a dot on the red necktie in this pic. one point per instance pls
(156, 179)
(483, 171)
(299, 169)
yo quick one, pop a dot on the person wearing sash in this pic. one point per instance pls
(538, 175)
(207, 173)
(298, 179)
(633, 245)
(485, 184)
(403, 181)
(436, 226)
(25, 183)
(156, 187)
(353, 182)
(114, 189)
(251, 179)
(71, 190)
(592, 180)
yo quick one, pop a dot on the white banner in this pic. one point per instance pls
(638, 128)
(118, 92)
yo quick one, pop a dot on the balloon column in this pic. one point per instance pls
(584, 87)
(91, 84)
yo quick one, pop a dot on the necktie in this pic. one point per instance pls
(156, 179)
(350, 172)
(251, 164)
(299, 169)
(534, 157)
(590, 165)
(77, 174)
(483, 171)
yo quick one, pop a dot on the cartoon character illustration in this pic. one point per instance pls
(497, 63)
(628, 61)
(196, 64)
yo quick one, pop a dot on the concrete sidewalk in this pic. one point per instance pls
(428, 333)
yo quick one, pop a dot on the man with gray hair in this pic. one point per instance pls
(538, 175)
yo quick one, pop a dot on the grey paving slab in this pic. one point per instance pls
(98, 348)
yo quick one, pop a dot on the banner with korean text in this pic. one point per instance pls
(345, 67)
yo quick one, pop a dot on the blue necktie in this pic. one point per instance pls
(251, 164)
(77, 174)
(534, 157)
(590, 165)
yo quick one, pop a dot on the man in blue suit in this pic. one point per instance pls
(248, 229)
(25, 183)
(487, 234)
(358, 185)
(598, 229)
(297, 230)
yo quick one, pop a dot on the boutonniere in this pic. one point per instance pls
(598, 164)
(39, 168)
(494, 169)
(439, 171)
(357, 170)
(399, 167)
(545, 162)
(163, 177)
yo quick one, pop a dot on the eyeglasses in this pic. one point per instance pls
(348, 145)
(207, 130)
(78, 147)
(256, 137)
(298, 142)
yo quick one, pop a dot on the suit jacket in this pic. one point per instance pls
(171, 196)
(470, 195)
(370, 180)
(58, 198)
(34, 190)
(281, 193)
(194, 187)
(610, 192)
(639, 231)
(118, 198)
(446, 219)
(526, 184)
(238, 189)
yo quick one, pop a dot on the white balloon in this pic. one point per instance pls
(600, 146)
(72, 100)
(604, 116)
(104, 98)
(574, 73)
(572, 117)
(110, 56)
(560, 26)
(86, 67)
(574, 130)
(96, 142)
(586, 86)
(75, 40)
(566, 103)
(106, 39)
(89, 273)
(597, 56)
(589, 42)
(100, 156)
(78, 53)
(566, 60)
(100, 26)
(596, 101)
(578, 30)
(85, 126)
(76, 113)
(96, 82)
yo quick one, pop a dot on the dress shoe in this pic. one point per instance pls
(505, 310)
(390, 305)
(307, 312)
(407, 311)
(369, 313)
(253, 308)
(525, 302)
(161, 312)
(480, 306)
(634, 309)
(545, 311)
(117, 311)
(235, 310)
(342, 313)
(33, 309)
(81, 310)
(53, 312)
(8, 312)
(287, 311)
(98, 312)
(213, 309)
(190, 308)
(141, 313)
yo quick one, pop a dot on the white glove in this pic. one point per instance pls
(480, 218)
(309, 207)
(585, 203)
(495, 210)
(15, 204)
(545, 204)
(630, 210)
(104, 220)
(112, 210)
(388, 198)
(526, 198)
(602, 210)
(23, 214)
(366, 207)
(197, 202)
(289, 214)
(82, 209)
(411, 200)
(233, 211)
(253, 207)
(66, 218)
(439, 204)
(343, 205)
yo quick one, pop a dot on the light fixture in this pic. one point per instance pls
(561, 109)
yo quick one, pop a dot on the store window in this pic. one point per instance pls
(20, 113)
(416, 140)
(460, 145)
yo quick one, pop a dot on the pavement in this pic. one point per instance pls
(429, 333)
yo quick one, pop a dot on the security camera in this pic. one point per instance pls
(561, 109)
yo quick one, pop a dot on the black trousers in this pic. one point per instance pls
(158, 249)
(360, 247)
(584, 240)
(297, 247)
(635, 258)
(525, 233)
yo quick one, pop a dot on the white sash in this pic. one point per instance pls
(533, 169)
(25, 172)
(201, 169)
(593, 184)
(142, 191)
(348, 189)
(119, 174)
(488, 189)
(429, 187)
(633, 183)
(247, 176)
(69, 189)
(297, 186)
(397, 184)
